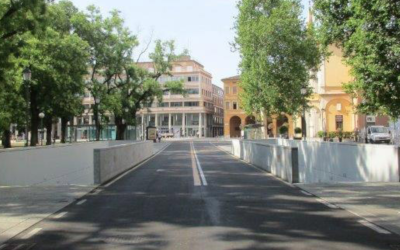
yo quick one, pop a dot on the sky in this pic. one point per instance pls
(204, 27)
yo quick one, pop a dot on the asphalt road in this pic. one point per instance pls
(195, 196)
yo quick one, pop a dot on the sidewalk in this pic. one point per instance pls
(379, 203)
(22, 207)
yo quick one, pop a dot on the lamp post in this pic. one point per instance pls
(41, 116)
(27, 75)
(303, 119)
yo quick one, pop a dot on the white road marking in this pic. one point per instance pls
(136, 167)
(306, 193)
(160, 170)
(31, 233)
(327, 203)
(203, 177)
(19, 246)
(81, 202)
(195, 171)
(60, 215)
(374, 227)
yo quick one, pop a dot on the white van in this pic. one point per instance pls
(377, 134)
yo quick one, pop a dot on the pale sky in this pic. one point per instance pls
(204, 27)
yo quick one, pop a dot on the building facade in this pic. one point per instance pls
(197, 114)
(235, 118)
(331, 107)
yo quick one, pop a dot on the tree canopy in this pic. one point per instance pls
(369, 34)
(278, 52)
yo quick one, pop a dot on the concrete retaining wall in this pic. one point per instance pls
(112, 161)
(56, 165)
(326, 162)
(281, 161)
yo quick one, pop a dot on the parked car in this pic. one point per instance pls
(376, 134)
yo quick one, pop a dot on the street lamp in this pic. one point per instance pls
(27, 76)
(303, 119)
(41, 116)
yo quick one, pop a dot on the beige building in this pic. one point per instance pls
(235, 117)
(198, 114)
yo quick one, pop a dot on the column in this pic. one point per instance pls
(156, 120)
(200, 125)
(275, 126)
(169, 123)
(183, 124)
(205, 125)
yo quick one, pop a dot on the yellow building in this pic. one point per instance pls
(234, 117)
(332, 108)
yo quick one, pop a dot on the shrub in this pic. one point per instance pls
(348, 135)
(332, 135)
(283, 130)
(339, 133)
(321, 134)
(298, 130)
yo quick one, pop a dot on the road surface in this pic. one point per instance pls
(194, 196)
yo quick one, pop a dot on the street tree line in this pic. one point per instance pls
(280, 52)
(68, 52)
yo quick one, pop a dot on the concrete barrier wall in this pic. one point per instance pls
(281, 161)
(112, 161)
(56, 165)
(70, 164)
(327, 162)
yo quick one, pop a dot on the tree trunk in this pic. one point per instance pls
(34, 118)
(6, 138)
(64, 121)
(121, 128)
(49, 129)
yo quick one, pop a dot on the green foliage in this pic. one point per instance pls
(332, 135)
(283, 130)
(298, 130)
(57, 59)
(368, 32)
(278, 51)
(321, 134)
(16, 18)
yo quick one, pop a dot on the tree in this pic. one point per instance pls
(111, 46)
(16, 18)
(369, 34)
(57, 59)
(278, 52)
(138, 86)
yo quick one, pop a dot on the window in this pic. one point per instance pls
(163, 104)
(234, 90)
(227, 90)
(176, 104)
(191, 104)
(166, 92)
(189, 68)
(178, 69)
(235, 106)
(227, 105)
(192, 78)
(339, 122)
(193, 91)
